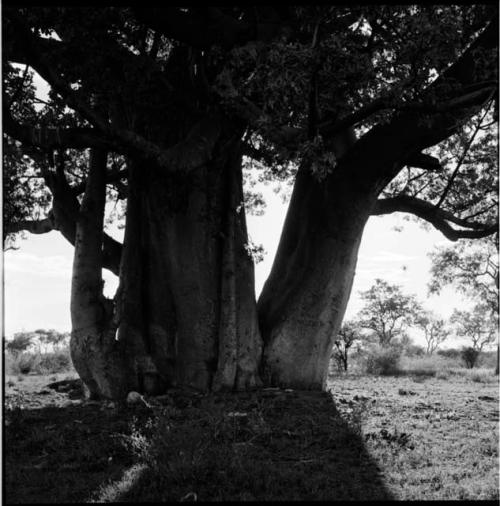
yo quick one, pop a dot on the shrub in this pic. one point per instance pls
(23, 363)
(488, 359)
(383, 361)
(46, 363)
(449, 353)
(51, 363)
(469, 356)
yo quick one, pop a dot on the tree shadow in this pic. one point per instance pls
(256, 446)
(273, 445)
(63, 454)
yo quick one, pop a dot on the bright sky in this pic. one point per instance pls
(37, 276)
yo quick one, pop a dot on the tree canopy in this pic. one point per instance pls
(294, 76)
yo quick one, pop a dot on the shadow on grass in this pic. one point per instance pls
(58, 455)
(255, 446)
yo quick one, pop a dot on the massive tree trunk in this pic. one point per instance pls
(96, 355)
(186, 310)
(304, 299)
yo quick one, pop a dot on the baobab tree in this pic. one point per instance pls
(159, 106)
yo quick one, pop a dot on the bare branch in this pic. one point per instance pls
(437, 217)
(482, 211)
(51, 137)
(185, 156)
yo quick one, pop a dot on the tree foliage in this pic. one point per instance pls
(330, 68)
(471, 267)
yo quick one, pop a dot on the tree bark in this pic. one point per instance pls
(304, 299)
(186, 306)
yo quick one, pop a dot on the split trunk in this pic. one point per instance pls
(185, 312)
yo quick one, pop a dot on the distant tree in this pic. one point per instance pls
(387, 311)
(478, 325)
(348, 334)
(20, 342)
(472, 268)
(59, 339)
(49, 337)
(435, 330)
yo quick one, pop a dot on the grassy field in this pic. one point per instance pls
(411, 437)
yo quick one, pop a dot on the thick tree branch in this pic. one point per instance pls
(33, 226)
(15, 52)
(426, 162)
(437, 217)
(468, 98)
(380, 154)
(53, 137)
(185, 156)
(66, 210)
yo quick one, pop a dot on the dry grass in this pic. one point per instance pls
(413, 437)
(433, 439)
(38, 363)
(426, 365)
(479, 375)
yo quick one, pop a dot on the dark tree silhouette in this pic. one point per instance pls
(161, 105)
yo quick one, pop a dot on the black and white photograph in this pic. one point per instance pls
(250, 252)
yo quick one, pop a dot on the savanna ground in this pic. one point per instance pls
(415, 436)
